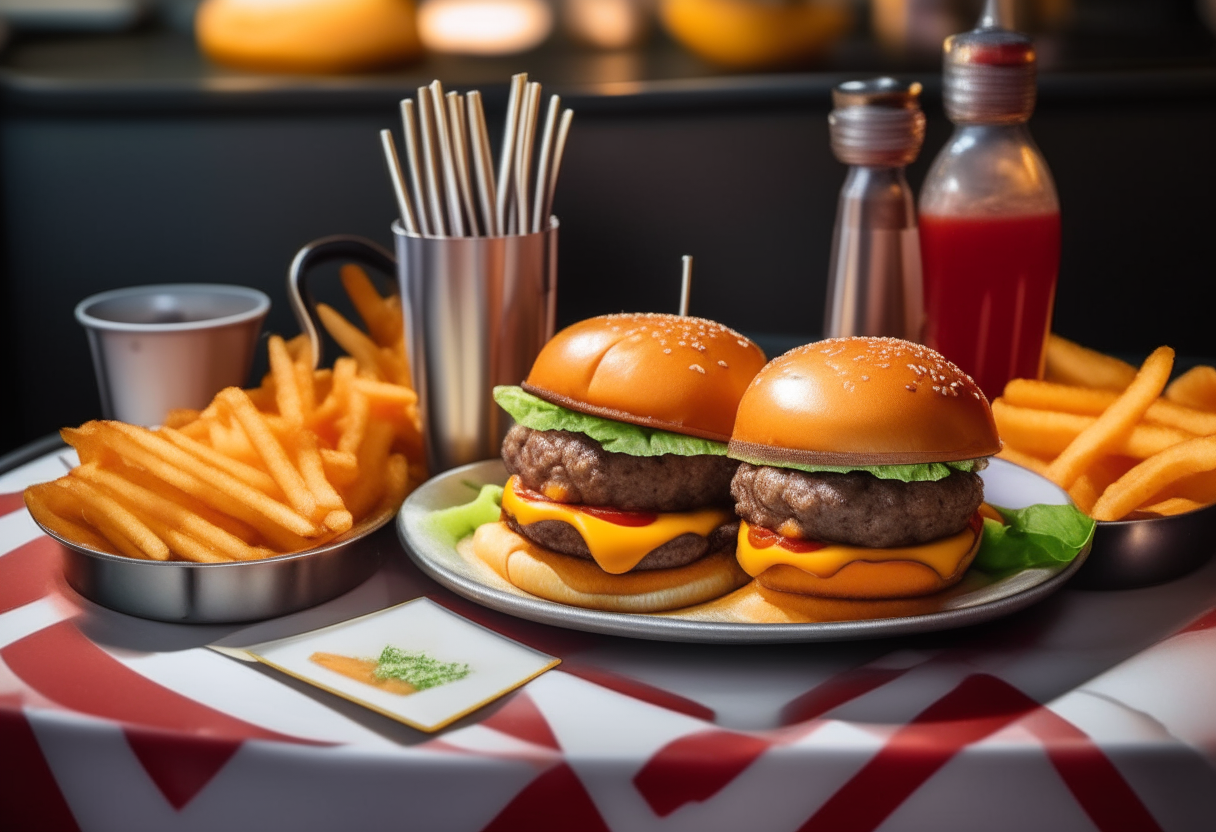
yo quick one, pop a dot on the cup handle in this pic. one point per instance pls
(326, 250)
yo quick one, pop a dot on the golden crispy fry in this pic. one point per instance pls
(344, 372)
(152, 506)
(1046, 433)
(1153, 475)
(354, 425)
(350, 338)
(1110, 429)
(384, 323)
(1097, 478)
(1089, 401)
(180, 417)
(383, 391)
(1195, 388)
(373, 455)
(170, 463)
(341, 467)
(230, 524)
(1069, 363)
(286, 384)
(308, 458)
(1172, 506)
(64, 526)
(104, 511)
(246, 473)
(271, 452)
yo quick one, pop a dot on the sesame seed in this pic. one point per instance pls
(697, 367)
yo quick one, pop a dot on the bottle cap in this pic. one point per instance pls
(989, 76)
(877, 122)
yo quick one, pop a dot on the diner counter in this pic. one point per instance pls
(1089, 710)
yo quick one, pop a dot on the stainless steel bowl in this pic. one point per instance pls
(222, 593)
(1127, 554)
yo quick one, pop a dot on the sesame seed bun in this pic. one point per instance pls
(670, 372)
(863, 402)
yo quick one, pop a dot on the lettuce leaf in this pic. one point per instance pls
(617, 437)
(1038, 535)
(452, 524)
(917, 472)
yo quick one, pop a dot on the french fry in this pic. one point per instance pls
(382, 324)
(244, 472)
(229, 523)
(1097, 478)
(141, 500)
(1070, 363)
(104, 511)
(308, 458)
(179, 417)
(286, 383)
(363, 349)
(63, 526)
(355, 423)
(1172, 506)
(1116, 422)
(1153, 475)
(188, 473)
(373, 455)
(1195, 388)
(341, 467)
(271, 452)
(1089, 401)
(1046, 433)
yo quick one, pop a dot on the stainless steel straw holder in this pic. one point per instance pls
(477, 311)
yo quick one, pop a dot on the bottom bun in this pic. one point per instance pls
(864, 580)
(580, 583)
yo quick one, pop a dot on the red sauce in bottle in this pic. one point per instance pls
(990, 284)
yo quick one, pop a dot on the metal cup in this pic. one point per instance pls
(477, 311)
(156, 348)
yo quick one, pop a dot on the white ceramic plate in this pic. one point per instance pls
(1005, 485)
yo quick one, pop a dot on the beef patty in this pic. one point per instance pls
(856, 508)
(574, 468)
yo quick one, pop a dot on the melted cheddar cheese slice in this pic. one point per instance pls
(616, 548)
(942, 556)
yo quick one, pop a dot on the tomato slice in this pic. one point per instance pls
(762, 538)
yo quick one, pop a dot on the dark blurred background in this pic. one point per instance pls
(127, 157)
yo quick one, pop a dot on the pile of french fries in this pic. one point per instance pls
(1124, 442)
(305, 458)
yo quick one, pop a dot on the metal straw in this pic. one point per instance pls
(460, 152)
(559, 149)
(483, 163)
(398, 180)
(413, 153)
(542, 164)
(685, 283)
(506, 161)
(451, 188)
(523, 152)
(426, 115)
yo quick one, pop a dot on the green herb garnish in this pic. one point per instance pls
(417, 669)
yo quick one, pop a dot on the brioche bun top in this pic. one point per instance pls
(863, 401)
(670, 372)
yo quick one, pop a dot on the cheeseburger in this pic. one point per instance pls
(858, 470)
(619, 495)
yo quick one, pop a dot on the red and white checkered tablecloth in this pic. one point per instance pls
(1089, 711)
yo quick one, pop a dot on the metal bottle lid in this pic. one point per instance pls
(877, 122)
(989, 76)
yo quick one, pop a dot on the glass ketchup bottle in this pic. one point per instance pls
(989, 215)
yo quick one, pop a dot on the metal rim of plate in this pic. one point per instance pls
(663, 628)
